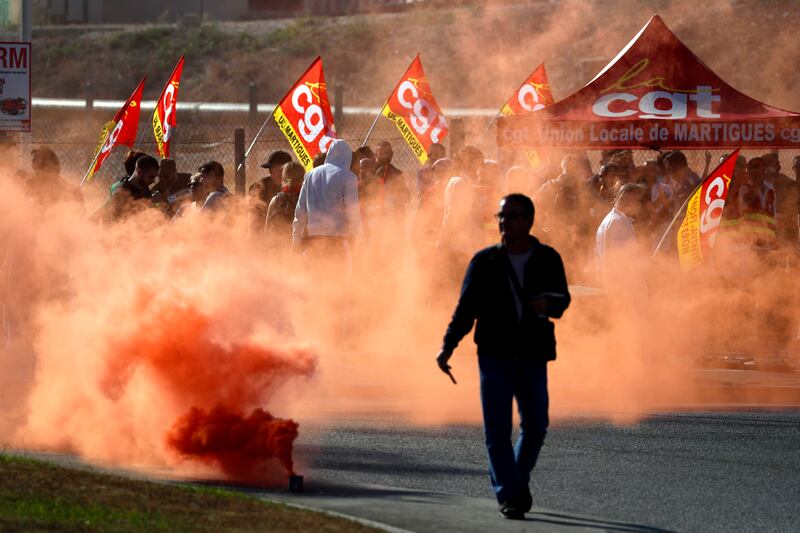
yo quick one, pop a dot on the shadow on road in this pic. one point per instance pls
(589, 523)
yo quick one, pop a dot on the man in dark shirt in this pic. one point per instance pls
(512, 290)
(133, 194)
(396, 195)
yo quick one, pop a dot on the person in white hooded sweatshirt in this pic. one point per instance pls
(328, 216)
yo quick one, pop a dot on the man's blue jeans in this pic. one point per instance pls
(502, 380)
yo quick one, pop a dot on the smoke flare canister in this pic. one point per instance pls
(295, 483)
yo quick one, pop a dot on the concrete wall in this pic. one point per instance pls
(138, 11)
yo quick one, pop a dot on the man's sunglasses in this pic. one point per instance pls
(508, 216)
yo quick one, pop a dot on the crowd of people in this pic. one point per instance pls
(449, 203)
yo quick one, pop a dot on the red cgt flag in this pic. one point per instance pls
(304, 115)
(164, 119)
(121, 130)
(698, 231)
(414, 110)
(534, 94)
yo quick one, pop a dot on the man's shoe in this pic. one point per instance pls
(511, 511)
(525, 500)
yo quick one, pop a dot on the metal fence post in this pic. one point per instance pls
(238, 158)
(456, 135)
(253, 98)
(88, 91)
(338, 104)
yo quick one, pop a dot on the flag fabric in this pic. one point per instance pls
(164, 119)
(534, 94)
(698, 231)
(304, 115)
(120, 131)
(414, 110)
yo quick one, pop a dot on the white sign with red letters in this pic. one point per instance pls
(15, 86)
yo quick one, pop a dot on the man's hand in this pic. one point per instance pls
(441, 360)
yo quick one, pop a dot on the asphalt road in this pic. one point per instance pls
(682, 472)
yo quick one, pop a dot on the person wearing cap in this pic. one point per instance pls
(274, 164)
(262, 191)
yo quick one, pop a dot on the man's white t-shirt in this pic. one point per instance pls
(518, 262)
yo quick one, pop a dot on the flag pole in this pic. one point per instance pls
(489, 125)
(94, 160)
(380, 112)
(255, 139)
(681, 209)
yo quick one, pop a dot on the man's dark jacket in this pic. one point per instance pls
(487, 296)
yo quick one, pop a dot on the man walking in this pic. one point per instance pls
(512, 290)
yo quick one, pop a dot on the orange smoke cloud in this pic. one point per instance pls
(158, 342)
(174, 343)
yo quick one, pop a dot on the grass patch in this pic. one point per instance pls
(39, 496)
(301, 36)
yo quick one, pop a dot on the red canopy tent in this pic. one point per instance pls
(655, 94)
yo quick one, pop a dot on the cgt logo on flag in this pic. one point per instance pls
(164, 119)
(414, 110)
(534, 94)
(304, 115)
(698, 231)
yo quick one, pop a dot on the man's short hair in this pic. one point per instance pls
(167, 167)
(147, 162)
(45, 158)
(212, 166)
(130, 160)
(676, 159)
(523, 201)
(631, 188)
(469, 155)
(610, 168)
(363, 152)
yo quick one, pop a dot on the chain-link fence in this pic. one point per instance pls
(204, 136)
